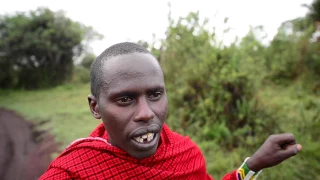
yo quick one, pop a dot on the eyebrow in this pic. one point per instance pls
(156, 88)
(134, 92)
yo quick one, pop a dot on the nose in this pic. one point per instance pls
(144, 112)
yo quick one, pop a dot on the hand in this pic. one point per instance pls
(274, 150)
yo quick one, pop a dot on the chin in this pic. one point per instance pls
(143, 154)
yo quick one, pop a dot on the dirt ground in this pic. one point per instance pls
(25, 151)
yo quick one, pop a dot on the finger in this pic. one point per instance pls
(284, 138)
(299, 146)
(290, 150)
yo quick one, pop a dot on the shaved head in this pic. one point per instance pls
(96, 71)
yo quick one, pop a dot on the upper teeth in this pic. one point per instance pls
(146, 137)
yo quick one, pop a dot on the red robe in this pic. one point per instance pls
(177, 157)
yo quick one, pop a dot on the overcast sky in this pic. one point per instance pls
(134, 20)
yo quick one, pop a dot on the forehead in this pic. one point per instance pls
(132, 70)
(130, 63)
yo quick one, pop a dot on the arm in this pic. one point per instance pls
(274, 150)
(55, 174)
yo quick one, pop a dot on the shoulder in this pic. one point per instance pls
(80, 153)
(56, 173)
(183, 151)
(174, 137)
(178, 140)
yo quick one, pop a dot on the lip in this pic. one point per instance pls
(146, 146)
(154, 128)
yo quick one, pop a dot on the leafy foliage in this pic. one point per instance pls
(229, 99)
(212, 89)
(88, 60)
(314, 10)
(37, 48)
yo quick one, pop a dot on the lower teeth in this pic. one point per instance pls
(144, 140)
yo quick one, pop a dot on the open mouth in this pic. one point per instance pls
(145, 138)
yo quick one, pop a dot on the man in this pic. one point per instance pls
(133, 142)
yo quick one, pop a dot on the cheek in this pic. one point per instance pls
(116, 119)
(161, 109)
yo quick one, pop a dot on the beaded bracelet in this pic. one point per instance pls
(244, 173)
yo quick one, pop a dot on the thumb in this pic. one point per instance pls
(291, 150)
(299, 146)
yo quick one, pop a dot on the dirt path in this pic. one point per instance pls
(24, 150)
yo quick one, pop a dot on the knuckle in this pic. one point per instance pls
(271, 137)
(290, 136)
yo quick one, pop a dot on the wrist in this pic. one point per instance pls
(253, 165)
(244, 172)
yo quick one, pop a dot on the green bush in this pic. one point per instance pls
(212, 89)
(292, 53)
(222, 96)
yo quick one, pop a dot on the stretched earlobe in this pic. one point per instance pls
(94, 107)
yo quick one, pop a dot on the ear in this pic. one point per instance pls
(94, 107)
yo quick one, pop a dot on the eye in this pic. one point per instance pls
(124, 100)
(155, 96)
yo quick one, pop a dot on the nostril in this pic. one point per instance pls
(145, 115)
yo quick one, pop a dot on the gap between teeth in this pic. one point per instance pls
(146, 137)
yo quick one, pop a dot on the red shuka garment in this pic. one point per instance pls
(177, 157)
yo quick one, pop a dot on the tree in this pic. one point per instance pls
(88, 60)
(37, 48)
(294, 52)
(314, 10)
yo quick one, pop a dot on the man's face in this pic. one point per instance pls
(133, 103)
